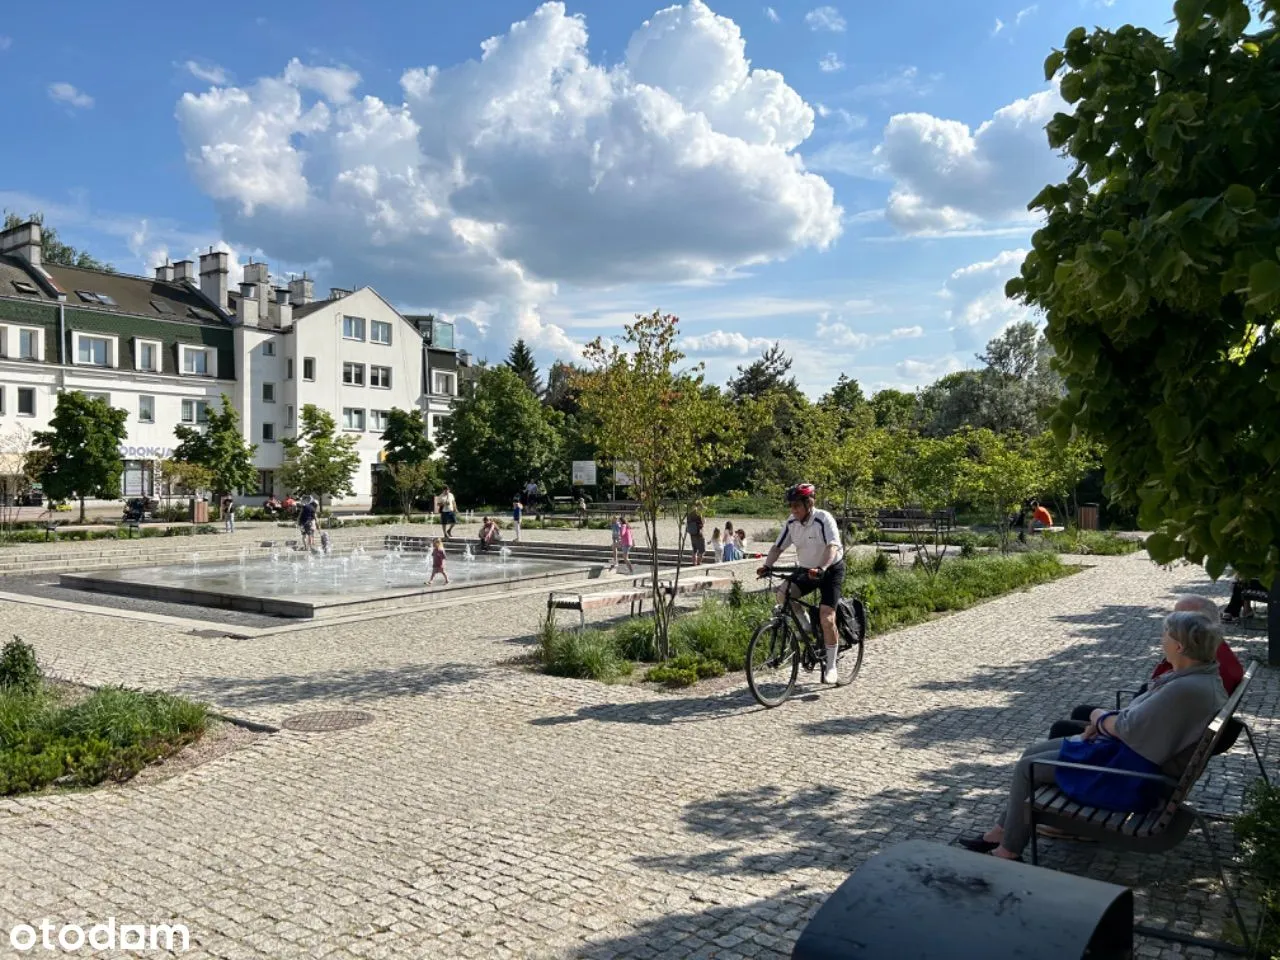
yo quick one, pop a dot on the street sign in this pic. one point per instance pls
(624, 472)
(584, 473)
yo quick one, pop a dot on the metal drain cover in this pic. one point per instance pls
(327, 721)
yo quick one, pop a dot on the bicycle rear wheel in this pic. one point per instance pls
(773, 662)
(848, 662)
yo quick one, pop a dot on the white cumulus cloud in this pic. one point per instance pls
(772, 15)
(977, 308)
(825, 18)
(723, 342)
(830, 63)
(500, 178)
(948, 177)
(66, 93)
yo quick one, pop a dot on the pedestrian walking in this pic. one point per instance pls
(615, 536)
(448, 509)
(228, 514)
(307, 522)
(437, 561)
(627, 540)
(517, 514)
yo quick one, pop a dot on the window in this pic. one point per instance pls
(288, 416)
(379, 332)
(195, 411)
(353, 328)
(288, 369)
(442, 383)
(148, 355)
(352, 418)
(380, 377)
(269, 349)
(146, 409)
(353, 374)
(442, 335)
(268, 393)
(378, 420)
(104, 299)
(308, 368)
(94, 351)
(162, 307)
(266, 483)
(268, 433)
(195, 362)
(29, 344)
(26, 401)
(23, 287)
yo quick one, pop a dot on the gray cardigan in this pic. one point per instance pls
(1167, 720)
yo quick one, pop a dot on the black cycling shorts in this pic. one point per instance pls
(828, 585)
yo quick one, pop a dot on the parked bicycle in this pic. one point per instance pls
(784, 643)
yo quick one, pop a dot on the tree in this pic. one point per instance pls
(520, 362)
(319, 460)
(15, 478)
(1065, 467)
(83, 445)
(1157, 272)
(894, 409)
(405, 438)
(53, 250)
(413, 479)
(191, 478)
(221, 449)
(764, 376)
(498, 438)
(561, 393)
(1001, 472)
(648, 413)
(922, 472)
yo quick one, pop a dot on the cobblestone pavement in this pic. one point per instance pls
(489, 811)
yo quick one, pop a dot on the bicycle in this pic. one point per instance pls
(783, 644)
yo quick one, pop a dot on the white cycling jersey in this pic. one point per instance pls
(810, 538)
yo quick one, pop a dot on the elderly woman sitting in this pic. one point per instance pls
(1161, 726)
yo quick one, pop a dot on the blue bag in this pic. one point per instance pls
(1108, 791)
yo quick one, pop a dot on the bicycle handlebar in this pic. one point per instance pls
(785, 571)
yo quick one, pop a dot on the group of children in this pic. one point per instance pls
(731, 547)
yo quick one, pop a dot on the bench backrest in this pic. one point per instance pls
(1204, 750)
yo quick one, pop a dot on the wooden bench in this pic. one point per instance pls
(1154, 831)
(634, 596)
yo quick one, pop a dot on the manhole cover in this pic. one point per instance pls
(327, 721)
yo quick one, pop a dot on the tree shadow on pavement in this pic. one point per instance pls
(343, 685)
(660, 711)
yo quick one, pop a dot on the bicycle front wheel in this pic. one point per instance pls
(848, 662)
(773, 662)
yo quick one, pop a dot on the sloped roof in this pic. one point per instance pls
(122, 292)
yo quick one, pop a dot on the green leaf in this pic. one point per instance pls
(1053, 63)
(1264, 281)
(1160, 546)
(1239, 197)
(1215, 565)
(1188, 13)
(1235, 20)
(1072, 87)
(1076, 36)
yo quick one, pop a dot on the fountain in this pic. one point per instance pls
(467, 555)
(504, 555)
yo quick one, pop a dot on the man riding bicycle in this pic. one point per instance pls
(816, 539)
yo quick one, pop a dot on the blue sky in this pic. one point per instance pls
(845, 178)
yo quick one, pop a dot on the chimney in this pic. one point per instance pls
(257, 273)
(184, 270)
(302, 291)
(165, 272)
(281, 310)
(23, 241)
(213, 276)
(337, 293)
(247, 305)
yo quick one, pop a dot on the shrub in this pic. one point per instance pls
(19, 669)
(636, 639)
(582, 654)
(1258, 830)
(716, 632)
(685, 670)
(881, 564)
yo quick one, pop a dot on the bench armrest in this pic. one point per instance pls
(1131, 691)
(1066, 764)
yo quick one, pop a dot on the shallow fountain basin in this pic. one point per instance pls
(301, 585)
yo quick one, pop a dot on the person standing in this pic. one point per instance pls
(228, 514)
(517, 514)
(437, 561)
(693, 525)
(448, 508)
(717, 549)
(307, 523)
(627, 540)
(582, 511)
(615, 534)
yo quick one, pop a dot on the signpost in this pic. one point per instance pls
(584, 473)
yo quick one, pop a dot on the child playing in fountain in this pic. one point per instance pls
(437, 561)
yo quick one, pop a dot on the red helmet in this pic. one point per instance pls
(801, 491)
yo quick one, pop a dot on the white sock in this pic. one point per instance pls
(831, 658)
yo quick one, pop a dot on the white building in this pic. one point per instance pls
(166, 348)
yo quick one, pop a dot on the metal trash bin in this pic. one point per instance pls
(1087, 516)
(926, 901)
(199, 510)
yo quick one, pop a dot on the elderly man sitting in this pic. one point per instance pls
(1228, 665)
(1158, 727)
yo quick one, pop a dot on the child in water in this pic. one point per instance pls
(437, 561)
